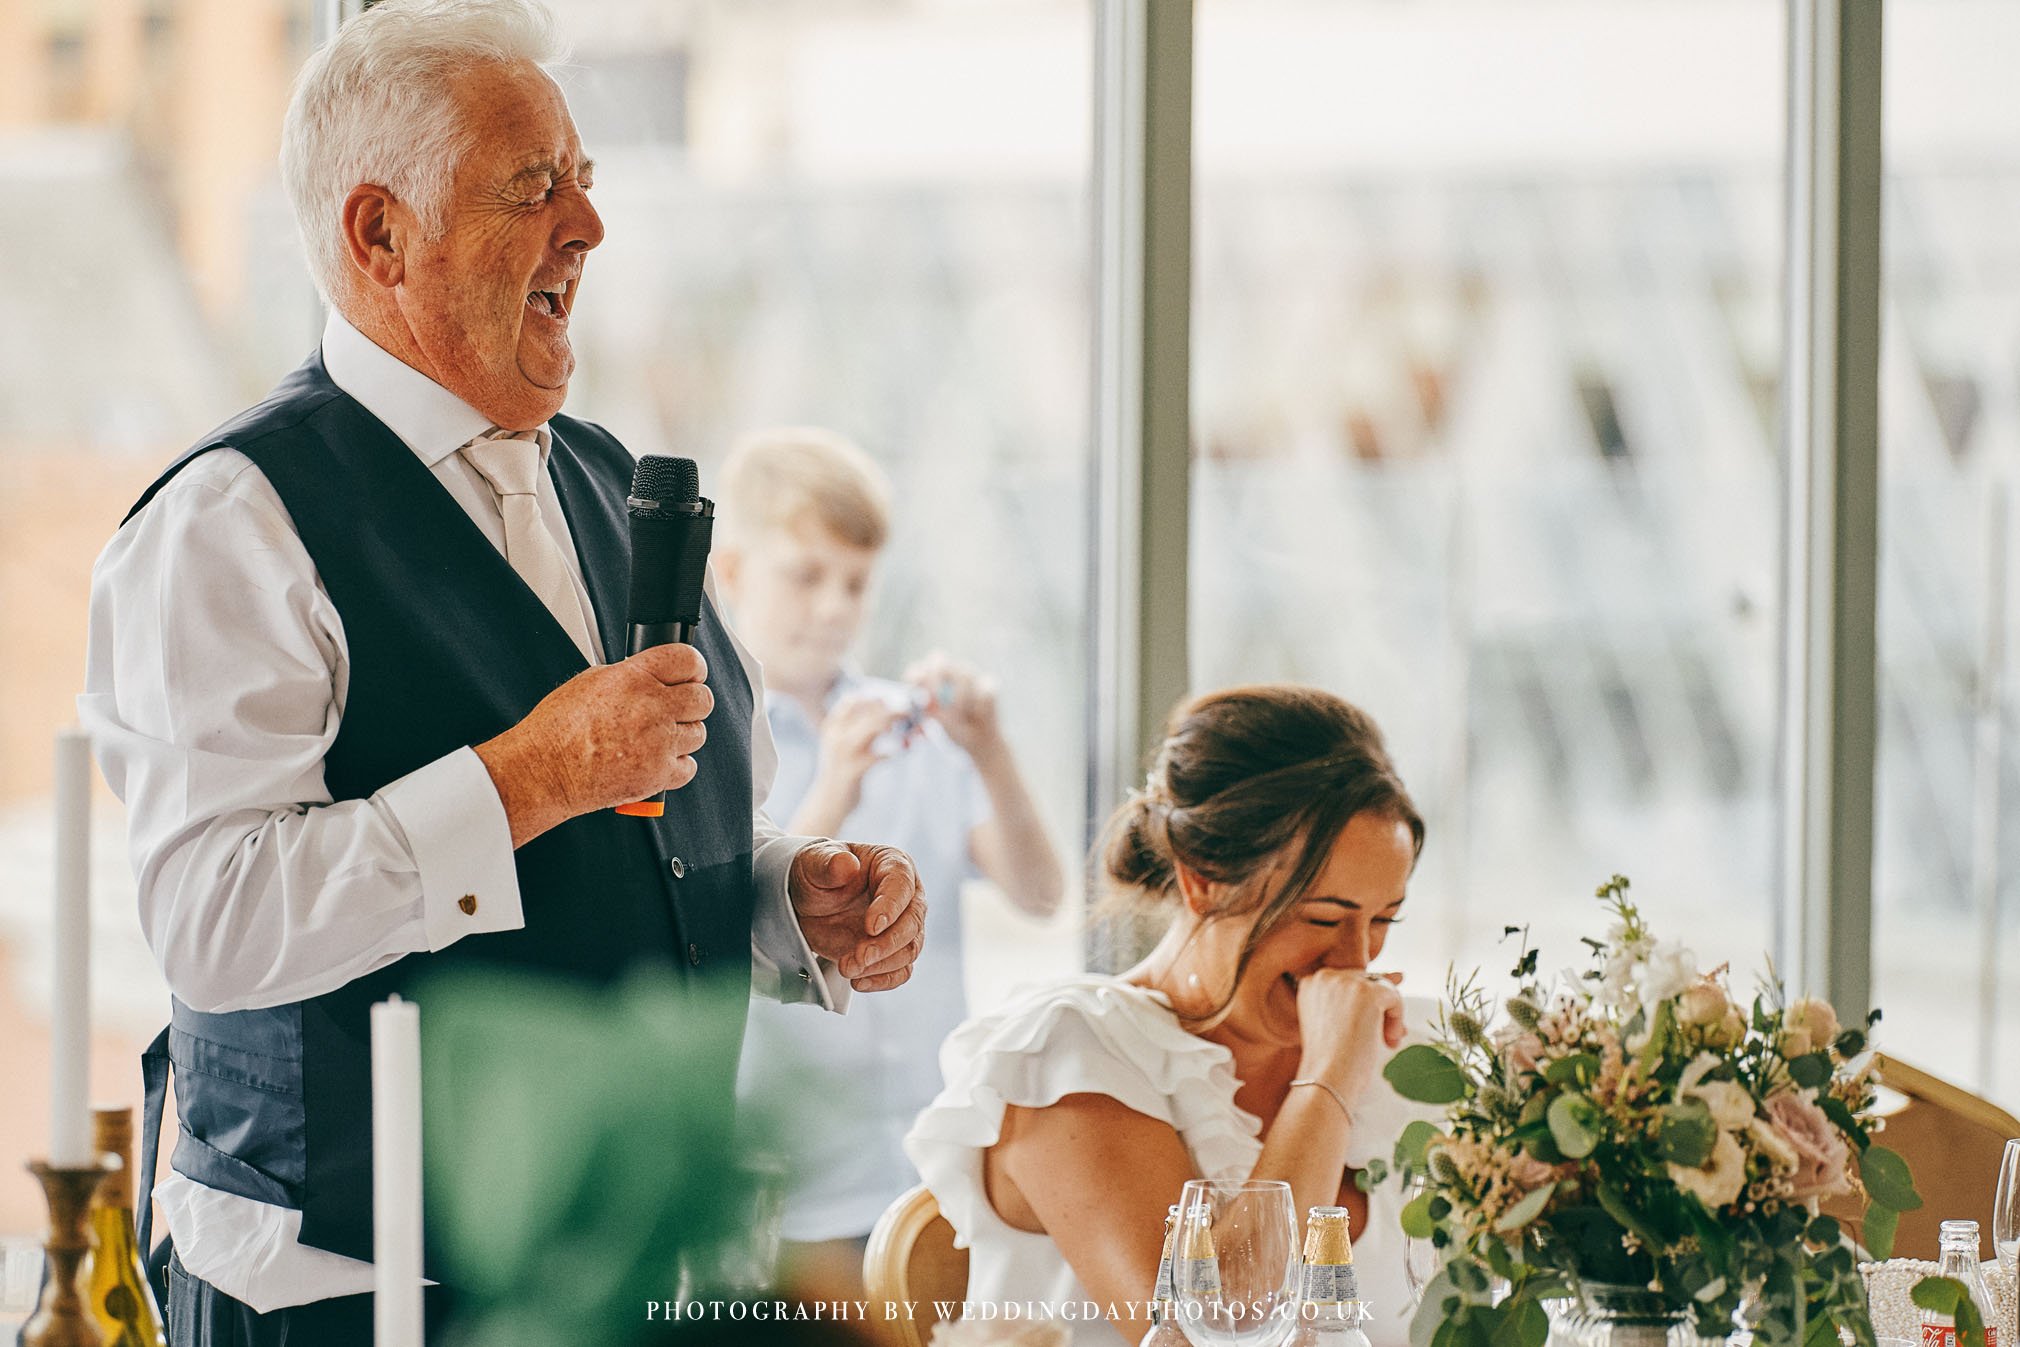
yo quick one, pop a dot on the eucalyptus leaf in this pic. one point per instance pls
(1881, 1223)
(1433, 1310)
(1687, 1134)
(1525, 1211)
(1416, 1217)
(1811, 1071)
(1523, 1324)
(1574, 1125)
(1888, 1180)
(1841, 1117)
(1424, 1075)
(1577, 1069)
(1410, 1147)
(1616, 1205)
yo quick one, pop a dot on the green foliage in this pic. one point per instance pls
(1946, 1295)
(1626, 1159)
(1887, 1179)
(1574, 1125)
(1687, 1134)
(1881, 1224)
(583, 1144)
(1426, 1075)
(1812, 1071)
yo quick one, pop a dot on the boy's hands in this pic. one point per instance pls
(849, 736)
(963, 700)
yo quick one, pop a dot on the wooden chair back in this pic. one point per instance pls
(1952, 1141)
(911, 1258)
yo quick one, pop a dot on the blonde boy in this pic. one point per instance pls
(921, 763)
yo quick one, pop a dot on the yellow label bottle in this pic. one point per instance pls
(118, 1296)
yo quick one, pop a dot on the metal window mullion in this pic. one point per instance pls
(1140, 531)
(1829, 696)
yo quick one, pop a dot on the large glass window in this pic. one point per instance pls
(873, 218)
(159, 289)
(1486, 356)
(1949, 757)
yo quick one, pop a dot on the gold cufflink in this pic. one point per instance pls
(468, 902)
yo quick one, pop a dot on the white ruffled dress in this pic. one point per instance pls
(1099, 1035)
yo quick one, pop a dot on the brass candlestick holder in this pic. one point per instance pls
(60, 1319)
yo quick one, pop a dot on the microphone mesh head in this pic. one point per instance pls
(660, 477)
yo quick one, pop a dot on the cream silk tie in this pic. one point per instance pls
(511, 461)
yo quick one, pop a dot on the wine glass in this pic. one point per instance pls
(2006, 1208)
(1236, 1265)
(1420, 1256)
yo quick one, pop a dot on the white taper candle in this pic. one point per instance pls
(396, 1173)
(70, 995)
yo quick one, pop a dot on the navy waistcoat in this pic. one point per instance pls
(448, 647)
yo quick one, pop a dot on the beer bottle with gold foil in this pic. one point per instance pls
(1164, 1329)
(1198, 1266)
(118, 1296)
(1329, 1308)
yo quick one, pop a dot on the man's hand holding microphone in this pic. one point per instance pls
(627, 732)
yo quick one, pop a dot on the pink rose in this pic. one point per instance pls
(1523, 1051)
(1821, 1153)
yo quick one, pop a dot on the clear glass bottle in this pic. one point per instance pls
(119, 1298)
(1164, 1329)
(1959, 1243)
(1329, 1299)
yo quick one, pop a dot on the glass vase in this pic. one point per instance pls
(1622, 1316)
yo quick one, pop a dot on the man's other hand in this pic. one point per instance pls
(862, 907)
(608, 736)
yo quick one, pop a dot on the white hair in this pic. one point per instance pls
(372, 105)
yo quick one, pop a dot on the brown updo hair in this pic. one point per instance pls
(1246, 780)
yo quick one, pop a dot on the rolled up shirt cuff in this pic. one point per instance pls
(783, 966)
(461, 841)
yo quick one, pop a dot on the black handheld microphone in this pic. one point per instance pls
(671, 526)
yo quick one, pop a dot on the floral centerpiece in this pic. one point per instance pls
(1639, 1143)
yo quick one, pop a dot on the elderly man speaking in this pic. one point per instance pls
(356, 668)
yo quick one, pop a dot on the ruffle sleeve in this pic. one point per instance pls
(1089, 1036)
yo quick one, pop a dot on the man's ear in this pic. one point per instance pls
(373, 229)
(1194, 889)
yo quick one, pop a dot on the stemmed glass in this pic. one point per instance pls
(2006, 1208)
(1236, 1265)
(1420, 1256)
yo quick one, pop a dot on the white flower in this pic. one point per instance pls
(1670, 971)
(1719, 1182)
(1731, 1107)
(1696, 1070)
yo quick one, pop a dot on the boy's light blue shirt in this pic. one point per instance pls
(884, 1053)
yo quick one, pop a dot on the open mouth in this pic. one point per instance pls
(552, 303)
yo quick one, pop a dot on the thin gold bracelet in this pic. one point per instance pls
(1312, 1080)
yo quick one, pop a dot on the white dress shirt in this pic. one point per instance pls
(215, 681)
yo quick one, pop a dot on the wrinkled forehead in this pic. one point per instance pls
(514, 117)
